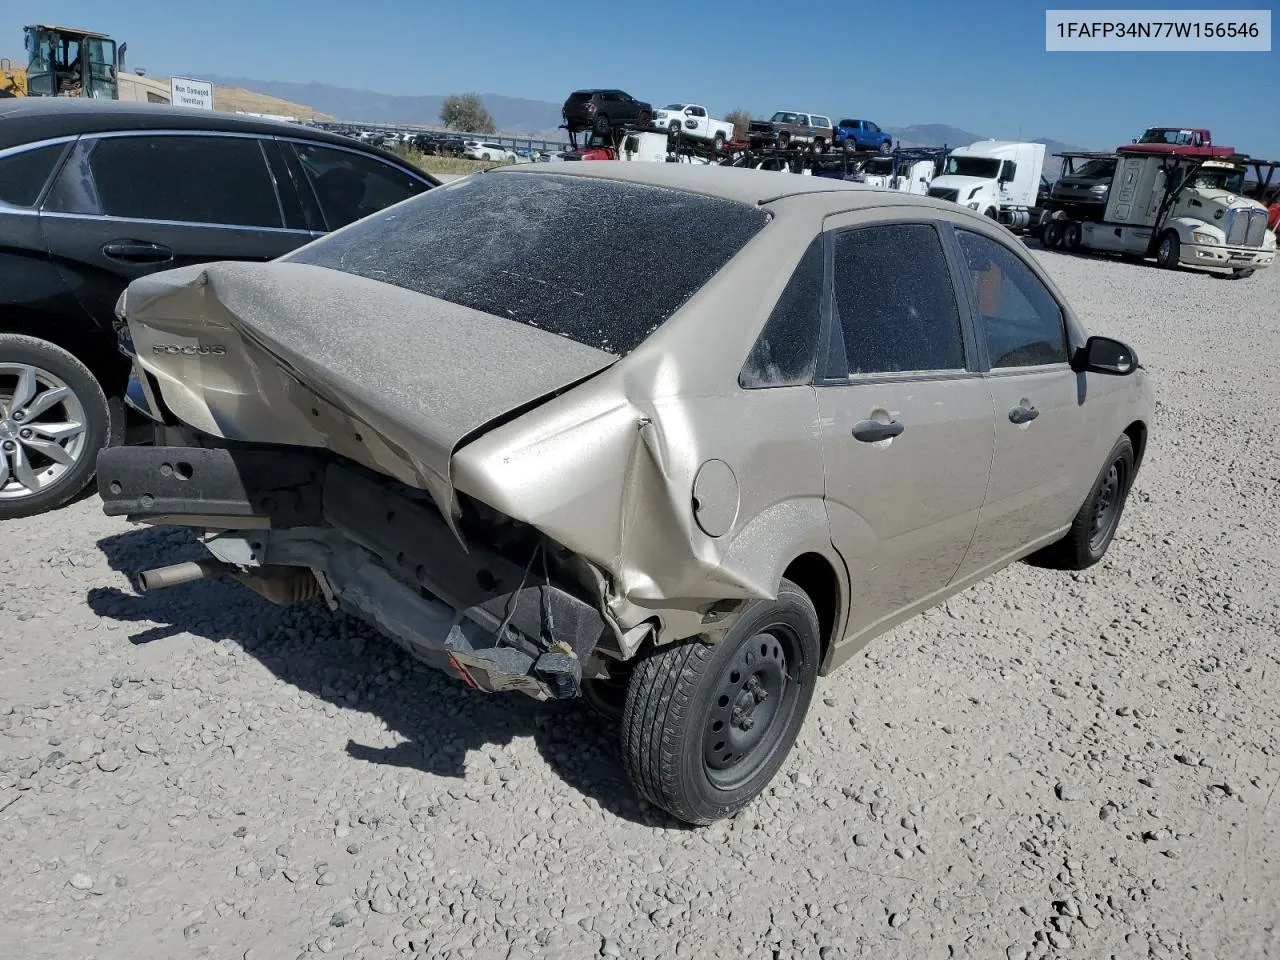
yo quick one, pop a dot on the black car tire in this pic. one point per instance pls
(1095, 525)
(1169, 250)
(1051, 236)
(707, 725)
(1244, 273)
(784, 140)
(644, 118)
(674, 129)
(100, 426)
(601, 125)
(718, 143)
(886, 147)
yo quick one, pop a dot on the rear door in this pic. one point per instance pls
(906, 420)
(125, 205)
(1039, 400)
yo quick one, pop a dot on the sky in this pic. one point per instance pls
(979, 65)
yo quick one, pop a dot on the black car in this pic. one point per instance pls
(1083, 192)
(601, 110)
(94, 194)
(439, 144)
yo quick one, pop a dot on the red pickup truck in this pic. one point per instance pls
(1184, 141)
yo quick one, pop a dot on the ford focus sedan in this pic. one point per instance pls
(677, 440)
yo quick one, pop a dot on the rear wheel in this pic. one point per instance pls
(54, 419)
(886, 147)
(1096, 522)
(784, 140)
(601, 125)
(1052, 235)
(706, 726)
(1071, 236)
(1242, 274)
(1169, 250)
(718, 143)
(644, 119)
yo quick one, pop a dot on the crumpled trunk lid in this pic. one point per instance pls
(303, 355)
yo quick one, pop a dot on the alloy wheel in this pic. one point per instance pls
(42, 430)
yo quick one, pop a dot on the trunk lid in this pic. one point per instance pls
(299, 354)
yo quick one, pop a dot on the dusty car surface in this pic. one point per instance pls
(683, 491)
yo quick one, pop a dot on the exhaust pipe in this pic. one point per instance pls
(280, 585)
(178, 573)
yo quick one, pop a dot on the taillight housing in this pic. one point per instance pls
(591, 107)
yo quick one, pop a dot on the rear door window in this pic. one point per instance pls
(896, 300)
(24, 174)
(196, 179)
(598, 261)
(351, 185)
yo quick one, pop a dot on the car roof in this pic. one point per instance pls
(28, 119)
(755, 187)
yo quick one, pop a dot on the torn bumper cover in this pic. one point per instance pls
(381, 553)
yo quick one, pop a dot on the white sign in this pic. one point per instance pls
(185, 92)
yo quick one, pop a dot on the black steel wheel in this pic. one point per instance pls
(1107, 503)
(1095, 524)
(707, 725)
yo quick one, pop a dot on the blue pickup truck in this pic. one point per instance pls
(862, 135)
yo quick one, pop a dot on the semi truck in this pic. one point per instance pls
(1181, 210)
(998, 178)
(907, 171)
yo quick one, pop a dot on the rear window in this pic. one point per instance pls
(582, 96)
(600, 262)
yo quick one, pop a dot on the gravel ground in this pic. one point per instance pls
(1050, 764)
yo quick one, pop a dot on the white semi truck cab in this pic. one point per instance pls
(1183, 210)
(998, 178)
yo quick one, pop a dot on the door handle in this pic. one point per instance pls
(870, 431)
(137, 251)
(1022, 415)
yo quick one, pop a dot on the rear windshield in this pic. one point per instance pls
(600, 262)
(581, 96)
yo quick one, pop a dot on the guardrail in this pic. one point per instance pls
(397, 129)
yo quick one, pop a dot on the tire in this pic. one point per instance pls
(1071, 236)
(484, 156)
(1052, 235)
(819, 145)
(718, 143)
(674, 129)
(1242, 274)
(601, 125)
(784, 140)
(1095, 525)
(644, 119)
(886, 147)
(990, 213)
(1169, 250)
(25, 364)
(695, 747)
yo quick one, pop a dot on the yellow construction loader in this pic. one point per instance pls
(65, 62)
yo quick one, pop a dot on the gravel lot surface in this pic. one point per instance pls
(1051, 764)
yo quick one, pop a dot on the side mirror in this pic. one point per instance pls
(1104, 355)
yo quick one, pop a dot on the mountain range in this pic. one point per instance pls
(517, 115)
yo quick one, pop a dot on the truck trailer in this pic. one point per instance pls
(1181, 210)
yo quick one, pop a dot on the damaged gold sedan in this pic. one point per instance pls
(675, 439)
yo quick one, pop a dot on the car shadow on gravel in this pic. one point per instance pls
(339, 659)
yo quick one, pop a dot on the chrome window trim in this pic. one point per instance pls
(36, 144)
(173, 223)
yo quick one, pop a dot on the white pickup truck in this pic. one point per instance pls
(694, 121)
